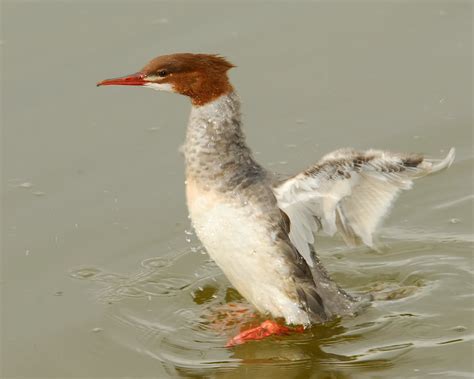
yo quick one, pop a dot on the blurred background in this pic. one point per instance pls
(101, 273)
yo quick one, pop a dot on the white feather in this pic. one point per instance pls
(167, 87)
(349, 192)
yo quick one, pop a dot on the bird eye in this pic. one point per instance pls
(162, 73)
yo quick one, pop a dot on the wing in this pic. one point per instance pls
(349, 192)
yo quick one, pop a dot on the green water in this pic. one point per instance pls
(101, 274)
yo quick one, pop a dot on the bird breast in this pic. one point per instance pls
(241, 243)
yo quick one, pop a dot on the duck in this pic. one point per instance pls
(260, 229)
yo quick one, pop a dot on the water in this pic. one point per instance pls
(99, 276)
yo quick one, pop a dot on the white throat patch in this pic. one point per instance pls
(160, 86)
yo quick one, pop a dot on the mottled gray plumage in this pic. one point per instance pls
(215, 148)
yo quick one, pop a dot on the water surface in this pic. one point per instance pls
(101, 273)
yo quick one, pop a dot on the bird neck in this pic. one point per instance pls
(215, 150)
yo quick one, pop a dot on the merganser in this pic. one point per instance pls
(259, 229)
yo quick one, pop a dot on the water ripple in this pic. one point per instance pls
(180, 310)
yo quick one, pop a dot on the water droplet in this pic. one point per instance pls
(84, 273)
(273, 236)
(25, 185)
(459, 328)
(455, 221)
(58, 293)
(97, 330)
(155, 263)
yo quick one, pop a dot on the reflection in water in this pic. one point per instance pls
(181, 311)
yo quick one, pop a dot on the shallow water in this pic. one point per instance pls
(101, 273)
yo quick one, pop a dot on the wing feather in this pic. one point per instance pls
(349, 192)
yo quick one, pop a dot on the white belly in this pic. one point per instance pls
(244, 250)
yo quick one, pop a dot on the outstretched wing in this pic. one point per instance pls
(350, 192)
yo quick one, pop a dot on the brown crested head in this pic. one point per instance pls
(202, 77)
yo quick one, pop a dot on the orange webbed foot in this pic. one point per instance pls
(265, 329)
